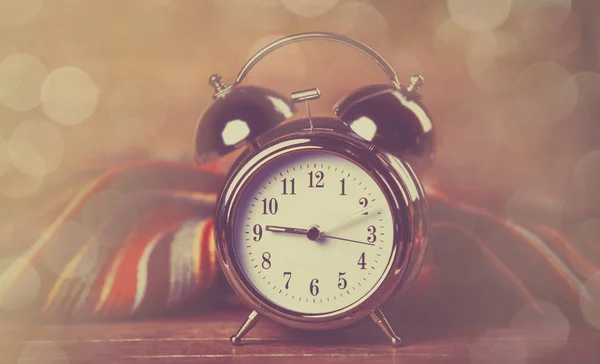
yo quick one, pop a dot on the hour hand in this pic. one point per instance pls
(285, 229)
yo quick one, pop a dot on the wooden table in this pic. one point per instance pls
(204, 338)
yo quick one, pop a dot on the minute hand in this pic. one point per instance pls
(349, 240)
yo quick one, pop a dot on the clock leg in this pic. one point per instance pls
(245, 328)
(379, 319)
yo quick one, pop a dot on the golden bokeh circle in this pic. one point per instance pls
(586, 179)
(17, 12)
(69, 95)
(36, 148)
(22, 76)
(309, 8)
(16, 185)
(589, 300)
(4, 156)
(18, 296)
(545, 93)
(479, 16)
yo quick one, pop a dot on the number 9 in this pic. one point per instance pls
(257, 229)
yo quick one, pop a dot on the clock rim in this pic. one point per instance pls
(403, 193)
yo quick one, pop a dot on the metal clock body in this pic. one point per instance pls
(257, 178)
(321, 219)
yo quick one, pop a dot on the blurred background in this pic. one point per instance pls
(512, 85)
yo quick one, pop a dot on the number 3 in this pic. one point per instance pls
(372, 237)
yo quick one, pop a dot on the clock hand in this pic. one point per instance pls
(307, 233)
(344, 239)
(285, 229)
(348, 219)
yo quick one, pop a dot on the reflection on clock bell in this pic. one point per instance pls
(393, 119)
(238, 115)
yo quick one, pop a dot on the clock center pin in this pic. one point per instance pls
(313, 233)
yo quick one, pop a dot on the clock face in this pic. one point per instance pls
(313, 232)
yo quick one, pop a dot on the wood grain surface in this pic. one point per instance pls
(204, 338)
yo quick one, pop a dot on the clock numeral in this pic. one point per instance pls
(343, 182)
(372, 237)
(342, 283)
(287, 275)
(364, 203)
(257, 229)
(318, 176)
(266, 264)
(314, 289)
(361, 261)
(292, 186)
(271, 207)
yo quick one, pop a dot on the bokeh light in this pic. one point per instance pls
(36, 148)
(545, 93)
(491, 61)
(16, 185)
(6, 49)
(479, 16)
(240, 16)
(77, 246)
(42, 351)
(18, 76)
(589, 300)
(4, 156)
(17, 12)
(21, 295)
(265, 3)
(533, 5)
(309, 8)
(449, 34)
(6, 227)
(588, 94)
(586, 179)
(69, 95)
(359, 19)
(586, 240)
(22, 76)
(550, 327)
(552, 31)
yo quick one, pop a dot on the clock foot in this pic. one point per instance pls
(379, 318)
(245, 328)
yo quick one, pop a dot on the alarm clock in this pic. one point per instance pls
(321, 219)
